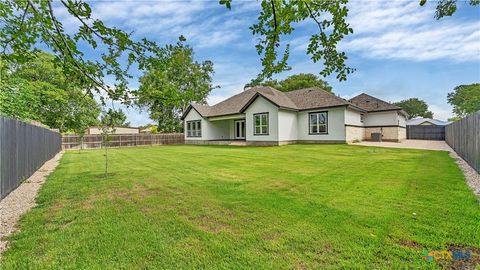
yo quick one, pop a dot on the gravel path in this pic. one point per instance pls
(471, 176)
(22, 199)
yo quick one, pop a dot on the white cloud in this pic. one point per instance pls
(404, 30)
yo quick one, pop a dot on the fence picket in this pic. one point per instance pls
(122, 140)
(464, 137)
(23, 149)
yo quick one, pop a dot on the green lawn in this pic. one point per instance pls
(297, 206)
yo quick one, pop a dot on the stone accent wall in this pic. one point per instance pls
(388, 133)
(354, 133)
(402, 134)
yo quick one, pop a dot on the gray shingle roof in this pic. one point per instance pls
(303, 99)
(372, 104)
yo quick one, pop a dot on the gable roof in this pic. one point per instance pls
(419, 121)
(373, 104)
(303, 99)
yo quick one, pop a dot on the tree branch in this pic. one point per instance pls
(70, 53)
(313, 17)
(72, 11)
(19, 28)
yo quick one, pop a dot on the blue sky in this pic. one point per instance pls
(398, 49)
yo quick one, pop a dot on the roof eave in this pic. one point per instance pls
(188, 110)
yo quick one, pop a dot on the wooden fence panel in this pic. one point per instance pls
(418, 132)
(120, 140)
(464, 137)
(23, 149)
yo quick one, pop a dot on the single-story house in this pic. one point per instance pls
(266, 116)
(116, 130)
(427, 122)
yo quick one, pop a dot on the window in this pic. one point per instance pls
(194, 128)
(361, 118)
(318, 123)
(260, 124)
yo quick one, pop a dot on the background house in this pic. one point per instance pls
(427, 122)
(117, 130)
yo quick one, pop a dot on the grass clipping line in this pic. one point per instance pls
(22, 199)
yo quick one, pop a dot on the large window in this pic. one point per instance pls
(318, 123)
(260, 124)
(194, 128)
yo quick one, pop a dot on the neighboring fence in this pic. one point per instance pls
(121, 140)
(418, 132)
(23, 149)
(464, 137)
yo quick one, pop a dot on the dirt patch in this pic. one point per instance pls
(410, 244)
(102, 175)
(22, 199)
(460, 258)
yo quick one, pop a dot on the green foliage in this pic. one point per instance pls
(114, 118)
(447, 7)
(454, 118)
(18, 99)
(171, 84)
(28, 25)
(31, 24)
(289, 207)
(38, 90)
(465, 99)
(295, 82)
(415, 108)
(277, 20)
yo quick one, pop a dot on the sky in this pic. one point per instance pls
(399, 50)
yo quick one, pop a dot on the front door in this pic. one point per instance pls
(240, 129)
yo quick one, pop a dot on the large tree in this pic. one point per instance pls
(465, 99)
(38, 90)
(114, 118)
(295, 82)
(415, 108)
(172, 83)
(27, 25)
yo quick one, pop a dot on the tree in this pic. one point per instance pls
(114, 118)
(171, 84)
(28, 25)
(295, 82)
(415, 108)
(465, 99)
(38, 90)
(447, 7)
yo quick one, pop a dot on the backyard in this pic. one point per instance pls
(296, 206)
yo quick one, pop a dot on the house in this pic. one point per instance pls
(426, 122)
(117, 130)
(266, 116)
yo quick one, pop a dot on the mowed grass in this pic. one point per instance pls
(295, 207)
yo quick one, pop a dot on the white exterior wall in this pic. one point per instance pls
(389, 118)
(353, 117)
(287, 126)
(191, 116)
(211, 130)
(336, 126)
(261, 105)
(402, 120)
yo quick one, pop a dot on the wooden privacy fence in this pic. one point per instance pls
(418, 132)
(23, 149)
(120, 140)
(464, 137)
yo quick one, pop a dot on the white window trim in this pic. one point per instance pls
(310, 126)
(194, 129)
(266, 125)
